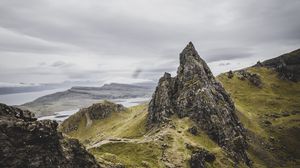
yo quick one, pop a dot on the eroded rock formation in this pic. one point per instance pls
(26, 142)
(253, 78)
(195, 93)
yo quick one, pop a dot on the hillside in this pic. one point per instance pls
(266, 104)
(123, 139)
(287, 65)
(270, 112)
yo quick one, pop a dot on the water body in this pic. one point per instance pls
(59, 116)
(131, 101)
(21, 98)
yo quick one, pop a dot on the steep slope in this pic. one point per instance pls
(26, 142)
(196, 94)
(270, 110)
(287, 65)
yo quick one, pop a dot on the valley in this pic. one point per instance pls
(244, 118)
(269, 112)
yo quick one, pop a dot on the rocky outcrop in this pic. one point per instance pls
(26, 142)
(230, 74)
(199, 157)
(96, 111)
(193, 130)
(287, 65)
(102, 110)
(196, 94)
(253, 78)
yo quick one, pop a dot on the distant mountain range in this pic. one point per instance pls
(78, 97)
(11, 88)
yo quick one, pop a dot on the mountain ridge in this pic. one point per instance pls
(287, 65)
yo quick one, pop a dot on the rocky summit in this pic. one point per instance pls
(195, 93)
(26, 142)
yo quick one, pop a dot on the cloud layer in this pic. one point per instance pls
(53, 40)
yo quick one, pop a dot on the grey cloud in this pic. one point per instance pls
(136, 73)
(224, 64)
(227, 54)
(42, 63)
(61, 64)
(161, 70)
(144, 32)
(13, 41)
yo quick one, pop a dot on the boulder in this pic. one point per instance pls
(230, 74)
(199, 157)
(26, 142)
(193, 130)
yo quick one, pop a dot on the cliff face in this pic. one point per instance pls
(26, 142)
(287, 65)
(196, 94)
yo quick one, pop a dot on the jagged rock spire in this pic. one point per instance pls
(192, 65)
(195, 93)
(188, 51)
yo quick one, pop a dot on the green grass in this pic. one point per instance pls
(255, 105)
(126, 124)
(146, 146)
(276, 96)
(130, 154)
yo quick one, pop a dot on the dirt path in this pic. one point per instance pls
(116, 140)
(146, 138)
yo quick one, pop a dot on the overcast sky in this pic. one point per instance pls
(122, 40)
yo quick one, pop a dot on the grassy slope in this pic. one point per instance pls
(258, 105)
(127, 124)
(122, 137)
